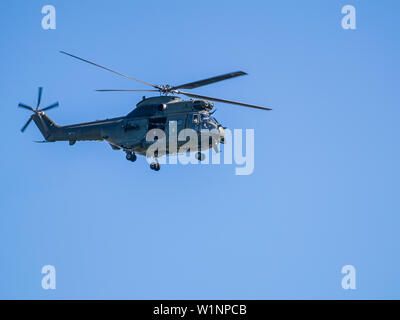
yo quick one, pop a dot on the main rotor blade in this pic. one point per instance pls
(108, 90)
(204, 82)
(97, 65)
(39, 97)
(54, 105)
(21, 105)
(27, 124)
(222, 100)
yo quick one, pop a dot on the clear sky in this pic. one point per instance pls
(324, 192)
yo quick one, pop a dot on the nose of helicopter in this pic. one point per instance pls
(221, 134)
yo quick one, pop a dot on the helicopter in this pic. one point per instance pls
(128, 133)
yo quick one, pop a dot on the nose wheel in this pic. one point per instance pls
(155, 166)
(199, 156)
(131, 156)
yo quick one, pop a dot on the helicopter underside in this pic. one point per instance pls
(163, 147)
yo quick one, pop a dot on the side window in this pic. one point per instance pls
(172, 126)
(157, 123)
(178, 124)
(196, 118)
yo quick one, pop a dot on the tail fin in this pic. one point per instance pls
(45, 125)
(43, 122)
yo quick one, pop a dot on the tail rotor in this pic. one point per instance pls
(36, 111)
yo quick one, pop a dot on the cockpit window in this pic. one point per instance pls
(205, 117)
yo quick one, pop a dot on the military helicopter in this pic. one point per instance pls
(128, 133)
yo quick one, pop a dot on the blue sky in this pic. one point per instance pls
(324, 192)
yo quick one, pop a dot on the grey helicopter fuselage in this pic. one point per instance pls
(134, 132)
(129, 132)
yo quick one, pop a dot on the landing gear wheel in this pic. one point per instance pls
(199, 156)
(155, 166)
(131, 156)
